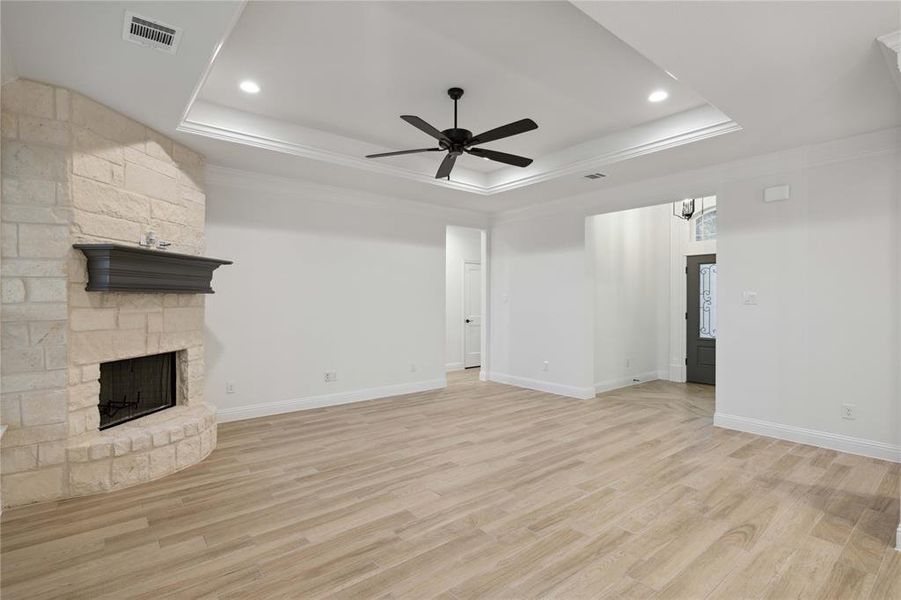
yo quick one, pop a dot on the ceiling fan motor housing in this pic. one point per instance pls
(458, 138)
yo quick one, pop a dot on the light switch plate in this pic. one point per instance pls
(749, 298)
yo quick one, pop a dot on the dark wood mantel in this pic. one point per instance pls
(119, 268)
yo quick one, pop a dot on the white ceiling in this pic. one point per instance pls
(351, 68)
(788, 73)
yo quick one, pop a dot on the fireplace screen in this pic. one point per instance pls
(136, 387)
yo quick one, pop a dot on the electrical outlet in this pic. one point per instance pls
(229, 387)
(412, 367)
(545, 365)
(331, 376)
(848, 411)
(628, 362)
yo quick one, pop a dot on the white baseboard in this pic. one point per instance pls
(823, 439)
(898, 538)
(264, 409)
(621, 382)
(583, 393)
(676, 373)
(483, 375)
(454, 366)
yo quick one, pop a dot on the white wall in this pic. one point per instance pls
(463, 244)
(631, 253)
(825, 265)
(541, 305)
(323, 280)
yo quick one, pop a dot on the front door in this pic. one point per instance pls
(700, 319)
(472, 314)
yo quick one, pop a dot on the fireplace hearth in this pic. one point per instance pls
(136, 387)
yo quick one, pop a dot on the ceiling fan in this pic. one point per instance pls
(456, 141)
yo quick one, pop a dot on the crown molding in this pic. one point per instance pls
(226, 124)
(659, 190)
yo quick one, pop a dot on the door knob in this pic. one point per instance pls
(467, 320)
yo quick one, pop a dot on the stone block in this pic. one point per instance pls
(155, 322)
(167, 211)
(9, 126)
(40, 380)
(182, 319)
(90, 477)
(22, 360)
(187, 452)
(91, 374)
(48, 333)
(34, 267)
(131, 468)
(62, 104)
(158, 146)
(105, 122)
(56, 357)
(33, 486)
(34, 311)
(185, 156)
(139, 157)
(176, 433)
(101, 450)
(32, 192)
(10, 413)
(132, 320)
(14, 335)
(43, 131)
(141, 180)
(84, 395)
(16, 460)
(77, 424)
(121, 446)
(51, 453)
(45, 289)
(92, 319)
(107, 200)
(88, 142)
(92, 167)
(141, 440)
(21, 160)
(12, 290)
(34, 435)
(102, 227)
(9, 240)
(44, 241)
(79, 453)
(28, 98)
(162, 461)
(44, 407)
(22, 213)
(160, 437)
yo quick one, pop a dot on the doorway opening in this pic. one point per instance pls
(654, 294)
(465, 298)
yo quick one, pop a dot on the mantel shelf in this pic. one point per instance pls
(119, 268)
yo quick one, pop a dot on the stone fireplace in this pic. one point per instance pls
(135, 387)
(74, 171)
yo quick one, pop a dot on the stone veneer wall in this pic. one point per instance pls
(76, 171)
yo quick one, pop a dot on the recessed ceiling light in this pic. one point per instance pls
(250, 87)
(658, 96)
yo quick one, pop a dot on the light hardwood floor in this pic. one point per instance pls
(482, 490)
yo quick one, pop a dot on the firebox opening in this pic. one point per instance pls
(135, 387)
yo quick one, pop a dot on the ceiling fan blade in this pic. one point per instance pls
(446, 167)
(514, 128)
(399, 152)
(503, 157)
(425, 128)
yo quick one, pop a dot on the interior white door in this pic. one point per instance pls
(472, 314)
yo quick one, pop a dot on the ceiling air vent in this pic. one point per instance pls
(594, 176)
(150, 33)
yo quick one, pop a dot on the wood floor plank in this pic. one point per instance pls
(477, 491)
